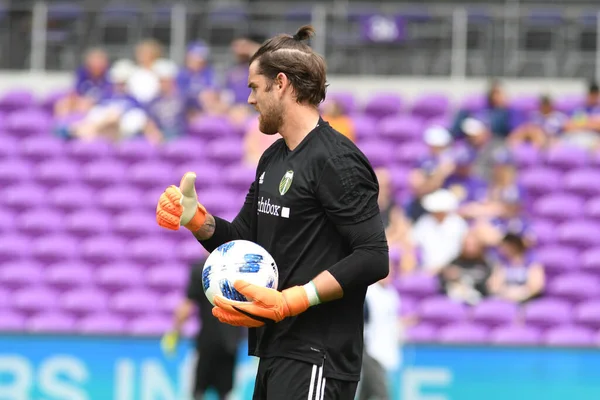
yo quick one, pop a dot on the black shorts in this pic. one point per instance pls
(288, 379)
(214, 369)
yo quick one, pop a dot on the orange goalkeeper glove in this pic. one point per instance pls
(178, 206)
(266, 305)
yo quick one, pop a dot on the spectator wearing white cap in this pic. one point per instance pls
(439, 234)
(167, 111)
(431, 172)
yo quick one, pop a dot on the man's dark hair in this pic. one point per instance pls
(593, 88)
(545, 100)
(305, 69)
(516, 241)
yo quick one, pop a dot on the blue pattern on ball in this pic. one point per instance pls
(206, 277)
(271, 283)
(224, 248)
(252, 263)
(229, 292)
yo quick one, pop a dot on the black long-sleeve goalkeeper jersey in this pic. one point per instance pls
(315, 209)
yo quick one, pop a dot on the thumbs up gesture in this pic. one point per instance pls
(178, 206)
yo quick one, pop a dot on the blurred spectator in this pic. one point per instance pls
(543, 127)
(117, 116)
(382, 339)
(439, 235)
(464, 182)
(500, 211)
(584, 126)
(431, 172)
(236, 80)
(167, 110)
(334, 113)
(517, 275)
(465, 278)
(91, 85)
(256, 142)
(496, 116)
(143, 84)
(197, 76)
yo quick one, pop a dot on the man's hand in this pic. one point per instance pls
(266, 305)
(178, 206)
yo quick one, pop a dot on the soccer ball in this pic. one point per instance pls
(238, 259)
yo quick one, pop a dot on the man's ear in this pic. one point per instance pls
(281, 81)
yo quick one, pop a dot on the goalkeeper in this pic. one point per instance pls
(216, 343)
(313, 207)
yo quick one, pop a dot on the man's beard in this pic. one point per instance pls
(271, 120)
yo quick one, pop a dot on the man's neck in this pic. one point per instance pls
(297, 124)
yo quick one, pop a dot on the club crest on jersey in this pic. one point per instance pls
(286, 182)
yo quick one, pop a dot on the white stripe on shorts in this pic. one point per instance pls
(312, 382)
(323, 389)
(319, 380)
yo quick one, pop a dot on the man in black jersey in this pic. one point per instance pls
(313, 207)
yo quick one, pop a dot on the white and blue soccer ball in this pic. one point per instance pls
(238, 259)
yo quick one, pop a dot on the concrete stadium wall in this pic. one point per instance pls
(363, 86)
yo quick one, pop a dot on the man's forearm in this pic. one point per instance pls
(327, 287)
(207, 230)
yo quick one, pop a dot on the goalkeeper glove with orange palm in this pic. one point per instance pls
(179, 206)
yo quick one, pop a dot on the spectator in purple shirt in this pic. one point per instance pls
(466, 185)
(583, 129)
(197, 76)
(91, 84)
(542, 128)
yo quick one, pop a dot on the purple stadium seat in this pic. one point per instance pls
(56, 171)
(401, 128)
(71, 196)
(463, 332)
(169, 301)
(587, 314)
(431, 105)
(220, 201)
(134, 224)
(16, 99)
(102, 323)
(189, 251)
(365, 127)
(87, 222)
(211, 128)
(418, 285)
(580, 234)
(18, 274)
(225, 151)
(9, 146)
(84, 300)
(182, 150)
(51, 322)
(68, 274)
(117, 198)
(147, 174)
(152, 324)
(559, 207)
(35, 298)
(8, 221)
(411, 152)
(585, 182)
(569, 103)
(473, 103)
(240, 177)
(87, 151)
(13, 170)
(525, 156)
(208, 174)
(132, 302)
(102, 249)
(104, 172)
(544, 231)
(150, 250)
(167, 276)
(569, 336)
(590, 261)
(42, 148)
(191, 328)
(14, 247)
(13, 198)
(115, 276)
(421, 333)
(135, 150)
(556, 259)
(54, 248)
(441, 310)
(346, 100)
(50, 100)
(383, 105)
(516, 335)
(408, 306)
(575, 287)
(592, 208)
(39, 221)
(540, 180)
(11, 321)
(566, 157)
(380, 153)
(29, 122)
(399, 176)
(495, 312)
(547, 312)
(525, 103)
